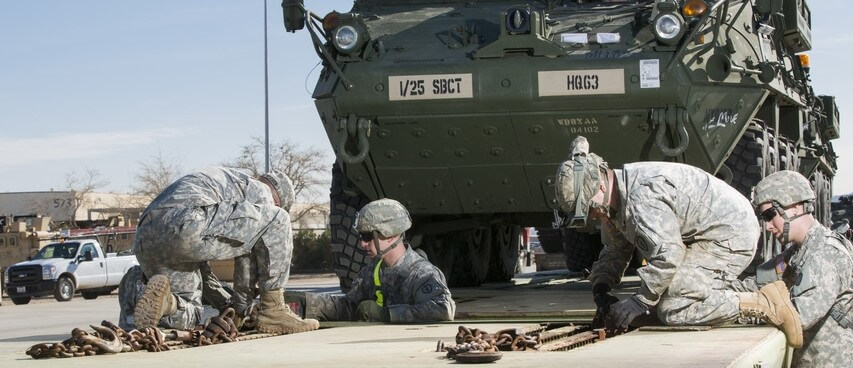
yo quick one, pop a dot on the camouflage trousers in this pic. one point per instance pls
(697, 294)
(174, 242)
(133, 285)
(826, 344)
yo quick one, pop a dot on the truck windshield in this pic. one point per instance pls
(58, 250)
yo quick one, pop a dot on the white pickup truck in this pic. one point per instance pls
(64, 268)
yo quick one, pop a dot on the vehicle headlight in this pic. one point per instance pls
(669, 28)
(346, 38)
(47, 272)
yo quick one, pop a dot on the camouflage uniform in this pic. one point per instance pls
(696, 232)
(214, 214)
(820, 275)
(414, 291)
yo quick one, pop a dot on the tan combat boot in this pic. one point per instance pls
(156, 301)
(772, 304)
(276, 317)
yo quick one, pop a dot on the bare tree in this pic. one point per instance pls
(155, 175)
(307, 169)
(80, 186)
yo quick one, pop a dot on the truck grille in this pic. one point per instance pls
(24, 274)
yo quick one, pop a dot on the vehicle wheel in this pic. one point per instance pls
(22, 300)
(506, 240)
(64, 289)
(581, 249)
(550, 239)
(347, 256)
(441, 251)
(751, 161)
(746, 161)
(473, 250)
(822, 185)
(89, 295)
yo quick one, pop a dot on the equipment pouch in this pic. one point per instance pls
(842, 314)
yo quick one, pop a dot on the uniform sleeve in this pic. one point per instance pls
(325, 307)
(614, 257)
(432, 299)
(815, 291)
(658, 239)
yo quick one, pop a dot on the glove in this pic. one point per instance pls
(603, 300)
(624, 311)
(602, 296)
(370, 311)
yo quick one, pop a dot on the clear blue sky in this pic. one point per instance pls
(106, 84)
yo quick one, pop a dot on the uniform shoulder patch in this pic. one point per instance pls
(642, 241)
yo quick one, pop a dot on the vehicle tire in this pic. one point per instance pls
(473, 254)
(550, 239)
(746, 161)
(441, 251)
(822, 184)
(580, 249)
(347, 256)
(506, 241)
(22, 300)
(90, 295)
(64, 289)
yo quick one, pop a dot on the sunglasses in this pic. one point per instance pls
(769, 214)
(366, 237)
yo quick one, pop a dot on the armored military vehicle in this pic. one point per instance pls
(463, 110)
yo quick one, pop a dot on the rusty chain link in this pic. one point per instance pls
(476, 340)
(108, 338)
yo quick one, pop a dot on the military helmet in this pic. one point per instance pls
(385, 216)
(784, 187)
(283, 186)
(578, 180)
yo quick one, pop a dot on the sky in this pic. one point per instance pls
(108, 84)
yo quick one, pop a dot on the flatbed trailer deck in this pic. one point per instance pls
(536, 299)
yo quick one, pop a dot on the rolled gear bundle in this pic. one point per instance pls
(577, 181)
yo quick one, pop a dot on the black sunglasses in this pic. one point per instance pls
(769, 214)
(366, 236)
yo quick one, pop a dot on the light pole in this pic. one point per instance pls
(266, 98)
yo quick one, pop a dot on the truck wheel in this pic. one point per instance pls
(550, 239)
(347, 256)
(64, 289)
(747, 160)
(89, 295)
(21, 300)
(822, 184)
(441, 251)
(506, 240)
(581, 249)
(473, 253)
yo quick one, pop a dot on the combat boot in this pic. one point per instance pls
(156, 301)
(276, 317)
(772, 304)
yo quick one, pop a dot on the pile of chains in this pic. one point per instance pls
(476, 340)
(108, 338)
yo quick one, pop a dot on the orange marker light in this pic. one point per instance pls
(694, 8)
(331, 21)
(804, 60)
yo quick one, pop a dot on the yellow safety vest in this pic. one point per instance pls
(379, 298)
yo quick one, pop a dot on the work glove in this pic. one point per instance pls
(624, 311)
(603, 300)
(370, 311)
